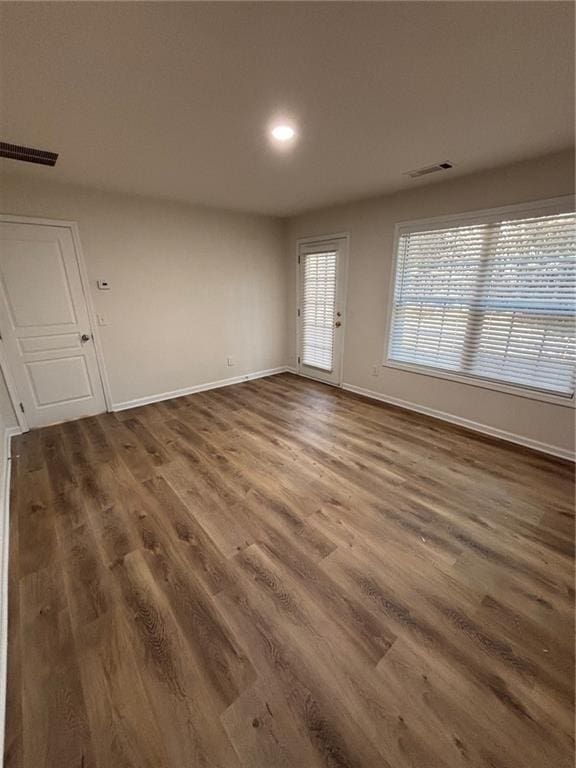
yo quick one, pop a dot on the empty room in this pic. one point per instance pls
(287, 374)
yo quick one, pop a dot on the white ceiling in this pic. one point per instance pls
(173, 99)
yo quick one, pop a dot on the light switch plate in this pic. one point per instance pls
(103, 285)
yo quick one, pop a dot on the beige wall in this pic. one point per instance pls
(371, 227)
(190, 286)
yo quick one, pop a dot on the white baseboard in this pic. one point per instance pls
(475, 426)
(4, 550)
(196, 388)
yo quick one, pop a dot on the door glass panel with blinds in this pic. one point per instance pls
(321, 311)
(491, 297)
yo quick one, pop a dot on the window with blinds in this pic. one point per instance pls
(318, 302)
(492, 299)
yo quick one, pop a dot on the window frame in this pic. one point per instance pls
(565, 204)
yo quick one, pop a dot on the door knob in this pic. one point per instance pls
(337, 323)
(84, 338)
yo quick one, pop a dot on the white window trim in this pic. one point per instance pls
(564, 204)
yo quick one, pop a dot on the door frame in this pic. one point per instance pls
(345, 236)
(85, 283)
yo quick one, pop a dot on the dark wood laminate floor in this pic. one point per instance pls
(281, 574)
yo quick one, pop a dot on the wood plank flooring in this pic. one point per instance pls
(281, 574)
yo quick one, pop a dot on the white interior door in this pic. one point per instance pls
(44, 324)
(322, 267)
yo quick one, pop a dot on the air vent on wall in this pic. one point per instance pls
(429, 169)
(27, 154)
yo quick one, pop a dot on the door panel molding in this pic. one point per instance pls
(72, 226)
(54, 343)
(78, 376)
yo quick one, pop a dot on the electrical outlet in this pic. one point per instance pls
(375, 370)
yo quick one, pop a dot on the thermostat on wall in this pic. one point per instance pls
(103, 285)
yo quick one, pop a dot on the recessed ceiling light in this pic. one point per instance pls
(283, 133)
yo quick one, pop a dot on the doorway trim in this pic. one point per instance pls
(344, 277)
(85, 283)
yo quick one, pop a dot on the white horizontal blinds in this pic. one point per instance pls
(490, 299)
(318, 303)
(526, 330)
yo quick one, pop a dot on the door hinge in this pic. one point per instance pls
(298, 361)
(21, 407)
(298, 258)
(298, 313)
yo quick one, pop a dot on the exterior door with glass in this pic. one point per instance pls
(321, 307)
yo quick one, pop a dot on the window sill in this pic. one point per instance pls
(508, 389)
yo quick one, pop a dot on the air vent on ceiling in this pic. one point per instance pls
(429, 169)
(27, 154)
